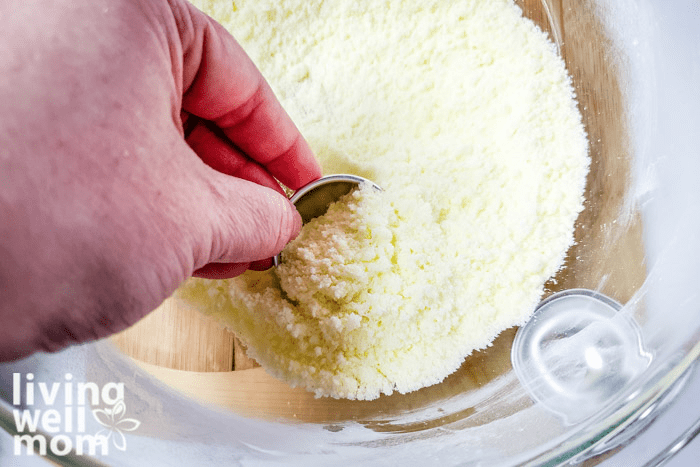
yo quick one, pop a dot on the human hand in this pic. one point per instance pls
(140, 145)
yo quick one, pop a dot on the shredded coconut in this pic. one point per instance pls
(464, 113)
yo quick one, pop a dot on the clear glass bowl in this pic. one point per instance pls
(636, 68)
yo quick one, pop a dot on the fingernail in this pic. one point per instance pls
(297, 222)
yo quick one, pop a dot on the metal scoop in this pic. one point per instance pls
(314, 199)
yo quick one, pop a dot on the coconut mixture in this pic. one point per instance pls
(464, 114)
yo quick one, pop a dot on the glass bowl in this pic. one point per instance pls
(635, 66)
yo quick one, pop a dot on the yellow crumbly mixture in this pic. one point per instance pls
(464, 113)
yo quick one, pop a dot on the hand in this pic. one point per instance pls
(138, 145)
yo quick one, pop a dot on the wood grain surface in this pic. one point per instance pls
(177, 337)
(608, 256)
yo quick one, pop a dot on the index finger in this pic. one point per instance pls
(223, 85)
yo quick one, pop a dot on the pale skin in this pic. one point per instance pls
(139, 145)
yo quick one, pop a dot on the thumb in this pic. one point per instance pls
(251, 223)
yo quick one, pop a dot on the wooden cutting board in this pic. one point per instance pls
(194, 354)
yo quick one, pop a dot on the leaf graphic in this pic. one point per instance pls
(106, 417)
(105, 434)
(128, 424)
(103, 417)
(119, 440)
(119, 409)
